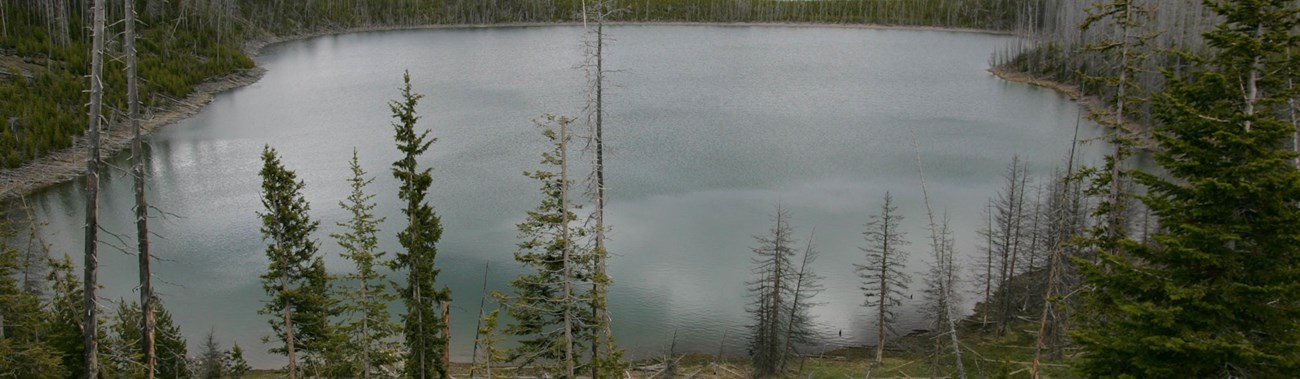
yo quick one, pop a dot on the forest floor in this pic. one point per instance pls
(984, 354)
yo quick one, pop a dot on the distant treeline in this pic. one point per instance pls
(1061, 49)
(44, 44)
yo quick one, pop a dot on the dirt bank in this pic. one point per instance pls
(1092, 104)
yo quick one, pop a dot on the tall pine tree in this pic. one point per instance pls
(1218, 293)
(425, 343)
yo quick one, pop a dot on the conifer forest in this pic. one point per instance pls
(1173, 251)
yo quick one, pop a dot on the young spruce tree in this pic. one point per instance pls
(1218, 293)
(295, 279)
(423, 321)
(366, 327)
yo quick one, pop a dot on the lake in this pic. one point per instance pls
(708, 128)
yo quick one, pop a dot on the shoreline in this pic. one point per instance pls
(69, 163)
(1092, 104)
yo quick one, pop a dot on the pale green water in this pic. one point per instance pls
(708, 127)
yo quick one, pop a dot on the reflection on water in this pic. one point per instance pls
(708, 128)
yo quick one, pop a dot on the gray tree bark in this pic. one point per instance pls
(141, 204)
(90, 330)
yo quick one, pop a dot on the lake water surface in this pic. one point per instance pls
(708, 128)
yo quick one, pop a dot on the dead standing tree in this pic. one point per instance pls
(938, 242)
(883, 279)
(141, 204)
(594, 45)
(89, 325)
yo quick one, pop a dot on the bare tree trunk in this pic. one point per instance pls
(90, 329)
(596, 120)
(798, 291)
(446, 336)
(288, 328)
(564, 235)
(141, 204)
(1054, 262)
(773, 343)
(482, 300)
(935, 240)
(365, 330)
(1053, 289)
(884, 291)
(988, 268)
(419, 315)
(1291, 106)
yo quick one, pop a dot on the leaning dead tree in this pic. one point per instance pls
(90, 331)
(937, 241)
(141, 204)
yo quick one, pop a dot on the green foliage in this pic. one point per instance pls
(537, 303)
(63, 328)
(24, 353)
(236, 366)
(1216, 294)
(45, 100)
(366, 327)
(124, 344)
(489, 339)
(423, 320)
(295, 279)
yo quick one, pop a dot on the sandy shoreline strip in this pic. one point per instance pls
(70, 163)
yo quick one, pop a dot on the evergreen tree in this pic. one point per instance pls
(124, 355)
(23, 351)
(127, 355)
(295, 279)
(366, 326)
(425, 343)
(63, 328)
(543, 305)
(173, 358)
(490, 339)
(211, 363)
(883, 279)
(1218, 293)
(236, 366)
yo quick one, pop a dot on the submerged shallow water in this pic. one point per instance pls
(708, 128)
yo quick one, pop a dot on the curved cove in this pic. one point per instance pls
(708, 127)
